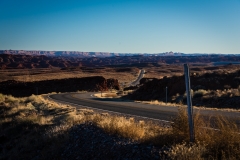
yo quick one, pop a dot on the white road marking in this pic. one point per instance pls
(165, 121)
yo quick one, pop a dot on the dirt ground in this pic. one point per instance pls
(124, 74)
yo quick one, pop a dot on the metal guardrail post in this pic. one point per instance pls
(189, 103)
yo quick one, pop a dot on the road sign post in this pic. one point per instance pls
(189, 103)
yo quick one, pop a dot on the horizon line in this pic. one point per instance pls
(114, 52)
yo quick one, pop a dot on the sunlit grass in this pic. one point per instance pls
(35, 116)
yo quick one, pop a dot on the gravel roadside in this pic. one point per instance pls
(86, 141)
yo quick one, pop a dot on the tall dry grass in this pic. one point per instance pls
(106, 95)
(35, 123)
(24, 125)
(222, 143)
(216, 137)
(229, 92)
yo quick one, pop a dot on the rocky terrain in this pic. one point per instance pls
(89, 54)
(23, 75)
(58, 53)
(221, 90)
(10, 61)
(31, 130)
(21, 89)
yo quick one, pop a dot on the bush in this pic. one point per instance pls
(187, 152)
(2, 97)
(223, 143)
(199, 93)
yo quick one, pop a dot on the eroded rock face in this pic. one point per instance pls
(20, 89)
(39, 59)
(155, 89)
(9, 61)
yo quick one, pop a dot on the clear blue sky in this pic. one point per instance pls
(121, 26)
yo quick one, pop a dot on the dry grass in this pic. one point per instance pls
(210, 144)
(125, 127)
(185, 151)
(223, 143)
(230, 92)
(34, 125)
(106, 95)
(156, 102)
(25, 125)
(30, 75)
(113, 95)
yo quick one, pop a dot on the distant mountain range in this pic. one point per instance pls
(96, 54)
(32, 59)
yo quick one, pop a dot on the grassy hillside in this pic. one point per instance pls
(35, 127)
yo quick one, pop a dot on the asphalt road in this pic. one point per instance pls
(140, 76)
(130, 107)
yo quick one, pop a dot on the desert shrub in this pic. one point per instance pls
(235, 92)
(2, 97)
(10, 99)
(55, 131)
(227, 86)
(230, 92)
(180, 129)
(185, 94)
(121, 126)
(32, 98)
(223, 143)
(186, 151)
(199, 93)
(110, 95)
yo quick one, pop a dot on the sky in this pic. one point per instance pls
(121, 26)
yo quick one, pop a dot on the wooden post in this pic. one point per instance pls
(189, 103)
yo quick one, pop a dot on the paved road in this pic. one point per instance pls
(140, 76)
(129, 107)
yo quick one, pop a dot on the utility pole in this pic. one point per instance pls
(189, 103)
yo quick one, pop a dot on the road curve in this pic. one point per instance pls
(130, 107)
(140, 76)
(125, 107)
